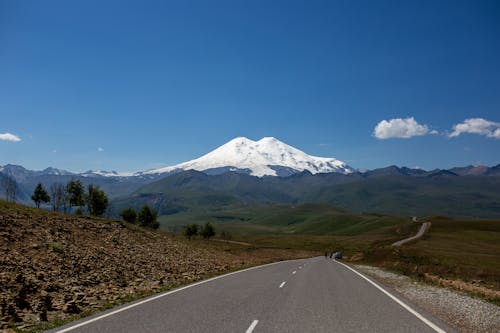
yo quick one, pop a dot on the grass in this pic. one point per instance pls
(57, 247)
(310, 227)
(463, 250)
(308, 219)
(453, 250)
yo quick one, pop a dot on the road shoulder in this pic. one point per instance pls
(463, 312)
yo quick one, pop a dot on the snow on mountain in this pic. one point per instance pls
(55, 172)
(260, 158)
(103, 173)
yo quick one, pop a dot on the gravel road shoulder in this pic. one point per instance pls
(463, 312)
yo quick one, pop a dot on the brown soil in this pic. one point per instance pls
(463, 286)
(55, 265)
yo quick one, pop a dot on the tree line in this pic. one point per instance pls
(92, 199)
(72, 195)
(146, 217)
(206, 231)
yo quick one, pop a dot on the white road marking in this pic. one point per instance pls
(252, 326)
(294, 272)
(282, 284)
(83, 323)
(394, 298)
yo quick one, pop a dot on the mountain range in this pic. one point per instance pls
(268, 171)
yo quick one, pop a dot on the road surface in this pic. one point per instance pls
(423, 229)
(310, 295)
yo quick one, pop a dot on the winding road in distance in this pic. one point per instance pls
(309, 295)
(423, 229)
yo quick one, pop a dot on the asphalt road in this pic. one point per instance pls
(311, 295)
(423, 229)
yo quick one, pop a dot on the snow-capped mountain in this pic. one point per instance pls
(266, 157)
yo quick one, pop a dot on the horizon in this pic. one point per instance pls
(131, 173)
(146, 86)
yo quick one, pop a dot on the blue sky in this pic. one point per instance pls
(155, 83)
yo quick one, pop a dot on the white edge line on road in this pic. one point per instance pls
(282, 284)
(163, 295)
(394, 298)
(252, 326)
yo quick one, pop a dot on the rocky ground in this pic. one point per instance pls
(467, 314)
(55, 265)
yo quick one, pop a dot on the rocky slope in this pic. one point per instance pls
(55, 265)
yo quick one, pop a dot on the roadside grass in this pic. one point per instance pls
(461, 254)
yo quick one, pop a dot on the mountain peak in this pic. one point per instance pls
(265, 157)
(239, 140)
(269, 139)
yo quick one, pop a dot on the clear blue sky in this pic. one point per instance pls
(155, 83)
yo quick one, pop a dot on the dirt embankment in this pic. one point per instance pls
(55, 265)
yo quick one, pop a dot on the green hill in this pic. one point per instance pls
(390, 191)
(308, 219)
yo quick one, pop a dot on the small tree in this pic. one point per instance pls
(57, 196)
(207, 231)
(96, 200)
(40, 195)
(191, 230)
(129, 215)
(75, 191)
(147, 218)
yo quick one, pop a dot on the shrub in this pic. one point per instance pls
(75, 191)
(147, 218)
(40, 195)
(57, 247)
(96, 200)
(207, 231)
(129, 215)
(191, 230)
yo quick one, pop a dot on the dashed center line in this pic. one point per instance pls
(252, 326)
(294, 272)
(282, 284)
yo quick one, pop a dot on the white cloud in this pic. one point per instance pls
(9, 137)
(479, 126)
(100, 149)
(400, 128)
